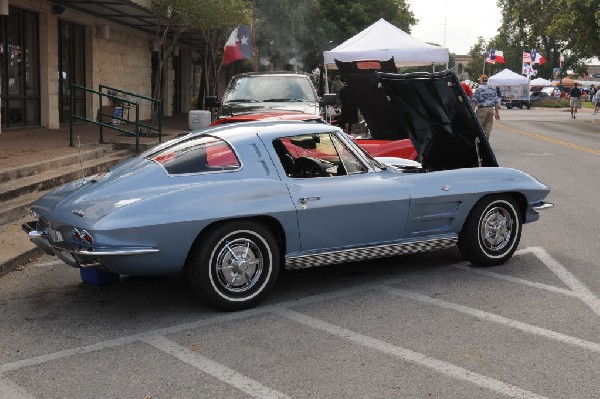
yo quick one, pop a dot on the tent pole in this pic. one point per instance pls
(326, 88)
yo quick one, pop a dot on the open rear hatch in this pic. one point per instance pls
(430, 109)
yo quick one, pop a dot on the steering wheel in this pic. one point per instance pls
(306, 167)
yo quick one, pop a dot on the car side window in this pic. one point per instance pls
(197, 155)
(316, 155)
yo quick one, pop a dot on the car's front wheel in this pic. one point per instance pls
(235, 265)
(492, 231)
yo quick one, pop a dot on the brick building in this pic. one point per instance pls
(45, 46)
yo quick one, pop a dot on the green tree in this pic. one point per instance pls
(553, 27)
(214, 19)
(303, 29)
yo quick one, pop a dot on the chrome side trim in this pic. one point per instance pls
(543, 205)
(115, 252)
(379, 251)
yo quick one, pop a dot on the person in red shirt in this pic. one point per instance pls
(467, 89)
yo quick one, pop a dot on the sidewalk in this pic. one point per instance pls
(30, 145)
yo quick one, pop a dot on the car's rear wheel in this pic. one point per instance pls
(492, 231)
(235, 265)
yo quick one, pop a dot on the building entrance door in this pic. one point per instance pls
(20, 68)
(71, 68)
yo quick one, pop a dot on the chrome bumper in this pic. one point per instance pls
(543, 205)
(70, 255)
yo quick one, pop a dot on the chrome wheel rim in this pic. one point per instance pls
(239, 265)
(496, 228)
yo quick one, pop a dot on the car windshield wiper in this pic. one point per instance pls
(283, 100)
(242, 100)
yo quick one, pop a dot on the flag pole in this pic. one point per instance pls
(483, 70)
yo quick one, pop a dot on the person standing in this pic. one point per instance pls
(487, 102)
(593, 92)
(337, 86)
(574, 99)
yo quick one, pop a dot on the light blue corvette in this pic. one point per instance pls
(233, 204)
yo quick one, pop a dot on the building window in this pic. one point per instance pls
(19, 68)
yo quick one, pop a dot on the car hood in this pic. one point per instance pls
(269, 116)
(235, 108)
(430, 109)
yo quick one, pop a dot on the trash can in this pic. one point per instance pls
(198, 119)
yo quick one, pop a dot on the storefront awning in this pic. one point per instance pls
(130, 14)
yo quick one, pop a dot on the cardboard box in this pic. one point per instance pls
(108, 111)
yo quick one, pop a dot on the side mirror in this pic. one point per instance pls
(212, 102)
(328, 99)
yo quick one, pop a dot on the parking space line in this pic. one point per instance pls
(578, 289)
(213, 368)
(442, 367)
(486, 316)
(10, 390)
(517, 280)
(583, 292)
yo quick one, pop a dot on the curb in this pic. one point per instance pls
(20, 260)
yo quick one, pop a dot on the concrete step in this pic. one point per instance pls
(48, 179)
(37, 166)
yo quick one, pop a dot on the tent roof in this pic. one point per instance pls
(507, 77)
(540, 82)
(382, 41)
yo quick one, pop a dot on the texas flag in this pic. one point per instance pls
(495, 56)
(240, 45)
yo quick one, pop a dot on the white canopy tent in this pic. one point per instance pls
(382, 41)
(507, 77)
(540, 82)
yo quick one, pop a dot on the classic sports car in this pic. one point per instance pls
(234, 204)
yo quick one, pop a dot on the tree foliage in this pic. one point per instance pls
(302, 29)
(553, 27)
(214, 18)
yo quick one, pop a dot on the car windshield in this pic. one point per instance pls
(278, 88)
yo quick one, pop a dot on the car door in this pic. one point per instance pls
(347, 211)
(354, 207)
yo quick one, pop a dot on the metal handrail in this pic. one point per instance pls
(101, 95)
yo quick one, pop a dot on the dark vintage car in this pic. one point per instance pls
(267, 96)
(272, 96)
(232, 205)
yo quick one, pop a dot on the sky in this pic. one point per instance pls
(465, 21)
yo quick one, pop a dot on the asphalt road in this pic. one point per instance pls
(421, 326)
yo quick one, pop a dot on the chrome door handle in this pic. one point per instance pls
(304, 200)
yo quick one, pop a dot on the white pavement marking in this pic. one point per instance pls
(569, 279)
(215, 369)
(10, 390)
(486, 316)
(442, 367)
(578, 289)
(517, 280)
